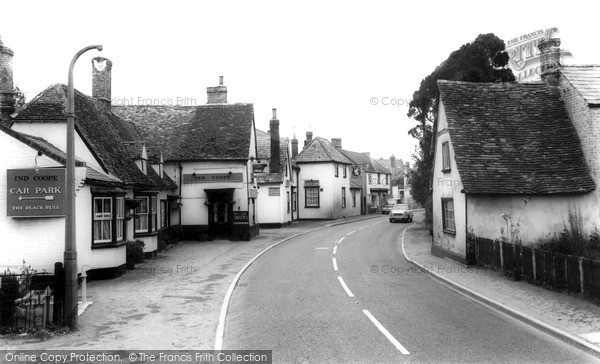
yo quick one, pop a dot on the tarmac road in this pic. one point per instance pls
(319, 298)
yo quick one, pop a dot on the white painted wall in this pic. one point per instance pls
(447, 185)
(40, 241)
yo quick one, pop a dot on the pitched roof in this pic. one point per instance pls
(206, 132)
(321, 150)
(513, 138)
(99, 128)
(263, 147)
(43, 146)
(586, 79)
(363, 159)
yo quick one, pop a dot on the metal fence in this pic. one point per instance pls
(31, 300)
(544, 268)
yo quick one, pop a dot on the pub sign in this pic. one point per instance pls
(35, 193)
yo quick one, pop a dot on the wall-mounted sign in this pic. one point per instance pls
(252, 193)
(240, 216)
(524, 55)
(311, 183)
(33, 193)
(212, 177)
(273, 191)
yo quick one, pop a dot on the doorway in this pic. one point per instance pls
(220, 213)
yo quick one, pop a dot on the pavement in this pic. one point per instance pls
(569, 318)
(169, 302)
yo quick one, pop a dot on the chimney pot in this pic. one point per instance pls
(274, 113)
(294, 147)
(217, 94)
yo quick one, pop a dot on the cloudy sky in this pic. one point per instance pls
(322, 64)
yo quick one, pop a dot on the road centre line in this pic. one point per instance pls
(352, 232)
(377, 223)
(335, 268)
(322, 248)
(342, 239)
(334, 249)
(364, 227)
(345, 287)
(385, 332)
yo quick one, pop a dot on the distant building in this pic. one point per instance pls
(275, 177)
(324, 182)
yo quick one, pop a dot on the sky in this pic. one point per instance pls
(341, 69)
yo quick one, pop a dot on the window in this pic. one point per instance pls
(337, 169)
(448, 215)
(288, 202)
(378, 178)
(345, 173)
(108, 219)
(103, 219)
(445, 157)
(120, 217)
(343, 197)
(163, 213)
(141, 216)
(353, 197)
(153, 210)
(286, 170)
(312, 196)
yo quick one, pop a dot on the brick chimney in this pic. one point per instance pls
(7, 97)
(217, 94)
(274, 131)
(309, 136)
(393, 164)
(102, 80)
(549, 60)
(294, 147)
(337, 143)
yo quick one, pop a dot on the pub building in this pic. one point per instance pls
(121, 193)
(209, 152)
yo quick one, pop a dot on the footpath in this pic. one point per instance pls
(172, 301)
(569, 318)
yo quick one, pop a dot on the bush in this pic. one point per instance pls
(574, 243)
(134, 253)
(429, 214)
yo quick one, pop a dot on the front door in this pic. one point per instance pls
(220, 214)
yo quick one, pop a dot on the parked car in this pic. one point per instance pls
(401, 212)
(386, 208)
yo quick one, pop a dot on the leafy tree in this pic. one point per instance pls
(483, 60)
(19, 98)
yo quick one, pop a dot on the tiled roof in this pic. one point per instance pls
(513, 138)
(321, 150)
(207, 132)
(48, 149)
(363, 159)
(100, 129)
(586, 79)
(263, 147)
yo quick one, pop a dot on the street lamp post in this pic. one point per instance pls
(70, 257)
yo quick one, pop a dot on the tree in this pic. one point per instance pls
(19, 98)
(483, 60)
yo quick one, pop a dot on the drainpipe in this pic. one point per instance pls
(180, 190)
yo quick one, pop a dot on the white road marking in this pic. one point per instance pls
(385, 332)
(352, 232)
(334, 249)
(345, 287)
(364, 227)
(322, 248)
(335, 268)
(377, 223)
(342, 239)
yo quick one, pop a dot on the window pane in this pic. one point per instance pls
(97, 227)
(106, 230)
(120, 207)
(97, 205)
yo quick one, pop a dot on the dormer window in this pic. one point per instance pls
(445, 157)
(144, 166)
